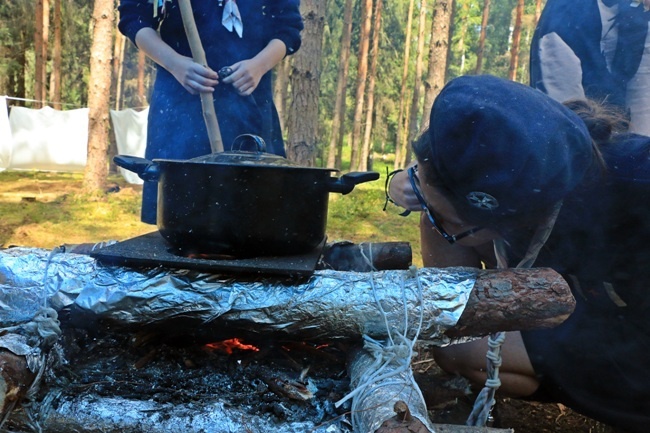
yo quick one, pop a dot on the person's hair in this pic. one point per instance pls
(602, 121)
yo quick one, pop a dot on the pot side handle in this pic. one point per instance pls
(147, 170)
(346, 183)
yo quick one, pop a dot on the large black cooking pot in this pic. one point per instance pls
(242, 203)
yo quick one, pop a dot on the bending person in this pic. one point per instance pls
(498, 161)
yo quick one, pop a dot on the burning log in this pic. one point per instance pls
(105, 387)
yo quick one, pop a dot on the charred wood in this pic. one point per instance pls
(15, 380)
(366, 257)
(100, 389)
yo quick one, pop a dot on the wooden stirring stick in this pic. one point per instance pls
(198, 54)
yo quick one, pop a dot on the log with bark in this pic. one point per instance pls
(329, 305)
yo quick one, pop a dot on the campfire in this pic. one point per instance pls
(89, 347)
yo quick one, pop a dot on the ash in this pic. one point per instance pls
(156, 381)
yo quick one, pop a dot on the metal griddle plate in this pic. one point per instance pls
(153, 250)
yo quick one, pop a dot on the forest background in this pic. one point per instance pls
(367, 72)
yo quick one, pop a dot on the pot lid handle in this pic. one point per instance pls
(251, 140)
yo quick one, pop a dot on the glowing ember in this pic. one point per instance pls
(228, 346)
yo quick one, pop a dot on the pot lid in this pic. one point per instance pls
(255, 157)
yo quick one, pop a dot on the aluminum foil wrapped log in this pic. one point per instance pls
(328, 305)
(383, 384)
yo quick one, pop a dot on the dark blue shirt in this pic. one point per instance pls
(597, 360)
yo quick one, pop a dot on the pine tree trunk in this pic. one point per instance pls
(417, 91)
(338, 123)
(366, 154)
(538, 12)
(302, 123)
(116, 89)
(516, 39)
(281, 89)
(6, 81)
(438, 48)
(142, 63)
(45, 46)
(481, 40)
(400, 144)
(99, 85)
(39, 61)
(118, 68)
(362, 76)
(55, 75)
(21, 91)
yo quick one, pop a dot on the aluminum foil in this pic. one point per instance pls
(329, 304)
(120, 415)
(381, 375)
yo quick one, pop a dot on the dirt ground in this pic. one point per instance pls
(450, 401)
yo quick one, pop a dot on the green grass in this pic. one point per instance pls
(45, 209)
(359, 216)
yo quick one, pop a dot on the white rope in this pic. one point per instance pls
(13, 98)
(391, 358)
(485, 400)
(481, 412)
(43, 101)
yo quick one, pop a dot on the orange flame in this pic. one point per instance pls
(228, 346)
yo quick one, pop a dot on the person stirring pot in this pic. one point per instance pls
(248, 38)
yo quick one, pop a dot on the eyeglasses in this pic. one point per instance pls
(415, 184)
